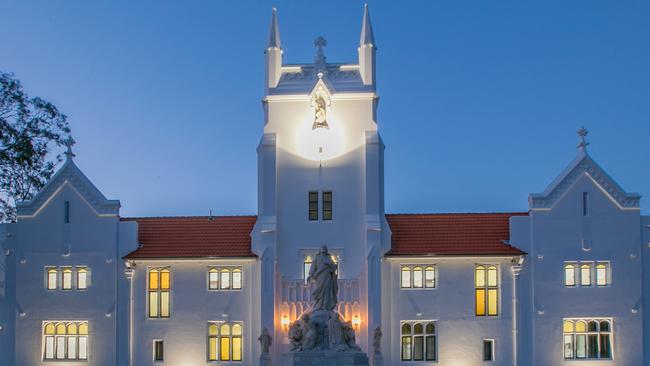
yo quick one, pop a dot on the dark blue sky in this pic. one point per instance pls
(479, 104)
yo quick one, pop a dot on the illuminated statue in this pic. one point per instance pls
(320, 114)
(265, 340)
(376, 341)
(325, 281)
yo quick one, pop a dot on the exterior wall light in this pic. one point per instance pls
(284, 321)
(356, 321)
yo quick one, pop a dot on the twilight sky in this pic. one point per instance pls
(479, 104)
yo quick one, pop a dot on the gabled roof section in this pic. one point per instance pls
(452, 234)
(193, 237)
(72, 175)
(583, 164)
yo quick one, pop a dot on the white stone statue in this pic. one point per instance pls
(322, 276)
(320, 114)
(265, 340)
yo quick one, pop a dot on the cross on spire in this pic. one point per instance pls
(582, 133)
(68, 153)
(320, 42)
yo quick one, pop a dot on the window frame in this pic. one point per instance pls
(65, 336)
(159, 291)
(492, 343)
(219, 338)
(573, 334)
(313, 214)
(155, 353)
(327, 214)
(594, 276)
(486, 288)
(220, 270)
(423, 269)
(409, 340)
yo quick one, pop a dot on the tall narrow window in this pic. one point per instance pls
(65, 341)
(158, 293)
(418, 342)
(213, 279)
(569, 275)
(213, 341)
(158, 350)
(236, 279)
(66, 212)
(486, 283)
(52, 278)
(225, 341)
(306, 267)
(585, 203)
(66, 278)
(313, 206)
(82, 278)
(585, 274)
(602, 274)
(406, 277)
(587, 338)
(327, 205)
(225, 279)
(488, 350)
(430, 277)
(417, 277)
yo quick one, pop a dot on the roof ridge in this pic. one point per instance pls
(459, 213)
(133, 218)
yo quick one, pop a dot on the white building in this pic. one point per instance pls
(561, 283)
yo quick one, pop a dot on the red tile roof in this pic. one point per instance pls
(413, 234)
(451, 234)
(193, 237)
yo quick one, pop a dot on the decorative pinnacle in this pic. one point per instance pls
(274, 32)
(320, 42)
(68, 153)
(583, 132)
(367, 36)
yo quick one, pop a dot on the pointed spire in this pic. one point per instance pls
(367, 37)
(582, 133)
(274, 32)
(68, 153)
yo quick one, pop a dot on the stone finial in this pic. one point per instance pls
(274, 32)
(582, 133)
(367, 36)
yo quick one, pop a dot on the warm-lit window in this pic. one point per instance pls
(66, 279)
(418, 341)
(417, 277)
(158, 350)
(65, 341)
(327, 205)
(585, 274)
(488, 350)
(313, 206)
(602, 274)
(225, 341)
(306, 267)
(225, 278)
(587, 338)
(82, 278)
(486, 283)
(158, 292)
(570, 275)
(52, 281)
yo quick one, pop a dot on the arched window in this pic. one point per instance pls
(418, 342)
(213, 279)
(82, 278)
(52, 278)
(585, 274)
(569, 275)
(67, 279)
(225, 279)
(601, 274)
(587, 339)
(158, 292)
(486, 282)
(306, 267)
(236, 279)
(225, 341)
(429, 277)
(65, 341)
(406, 277)
(418, 277)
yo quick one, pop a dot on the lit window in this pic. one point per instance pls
(66, 279)
(327, 205)
(418, 342)
(587, 338)
(313, 206)
(225, 278)
(82, 278)
(585, 274)
(417, 277)
(488, 350)
(225, 341)
(569, 275)
(52, 278)
(602, 274)
(158, 292)
(65, 341)
(158, 350)
(306, 267)
(486, 283)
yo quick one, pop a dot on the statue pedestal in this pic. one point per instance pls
(377, 360)
(324, 358)
(265, 359)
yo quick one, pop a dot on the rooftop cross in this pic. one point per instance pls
(320, 42)
(68, 153)
(583, 132)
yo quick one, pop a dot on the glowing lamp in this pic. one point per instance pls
(284, 321)
(356, 321)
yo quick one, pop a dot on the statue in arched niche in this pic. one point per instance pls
(320, 114)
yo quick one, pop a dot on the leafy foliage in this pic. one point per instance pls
(30, 129)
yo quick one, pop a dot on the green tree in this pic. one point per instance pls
(31, 131)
